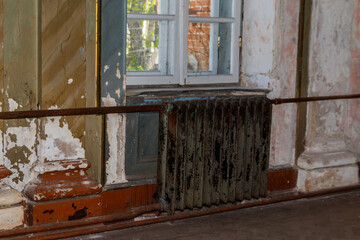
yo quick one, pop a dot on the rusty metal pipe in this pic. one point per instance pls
(96, 228)
(278, 101)
(133, 213)
(79, 111)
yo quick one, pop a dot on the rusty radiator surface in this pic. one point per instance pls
(214, 151)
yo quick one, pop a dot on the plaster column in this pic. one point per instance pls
(11, 208)
(59, 188)
(327, 161)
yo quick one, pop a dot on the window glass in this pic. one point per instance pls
(142, 45)
(198, 47)
(209, 48)
(158, 51)
(147, 46)
(210, 8)
(150, 6)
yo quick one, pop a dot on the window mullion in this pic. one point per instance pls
(150, 17)
(183, 36)
(211, 20)
(236, 34)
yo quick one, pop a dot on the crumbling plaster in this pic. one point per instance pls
(27, 147)
(353, 127)
(269, 59)
(331, 154)
(328, 75)
(20, 153)
(330, 58)
(116, 136)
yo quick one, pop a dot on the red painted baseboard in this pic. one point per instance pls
(282, 179)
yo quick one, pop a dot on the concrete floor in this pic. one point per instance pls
(329, 217)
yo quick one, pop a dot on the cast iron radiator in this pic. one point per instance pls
(214, 151)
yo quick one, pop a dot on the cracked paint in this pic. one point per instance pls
(56, 166)
(118, 92)
(106, 67)
(269, 60)
(116, 135)
(1, 152)
(13, 105)
(59, 144)
(118, 73)
(20, 147)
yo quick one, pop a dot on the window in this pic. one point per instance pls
(182, 42)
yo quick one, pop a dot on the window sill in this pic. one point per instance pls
(175, 92)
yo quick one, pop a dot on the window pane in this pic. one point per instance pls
(209, 48)
(151, 6)
(210, 8)
(198, 47)
(146, 46)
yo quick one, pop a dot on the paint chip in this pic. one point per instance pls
(118, 74)
(109, 101)
(13, 105)
(118, 91)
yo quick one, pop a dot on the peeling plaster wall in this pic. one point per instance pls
(59, 81)
(64, 58)
(19, 88)
(353, 128)
(330, 58)
(59, 142)
(116, 137)
(258, 42)
(113, 86)
(1, 77)
(20, 154)
(1, 148)
(63, 80)
(269, 60)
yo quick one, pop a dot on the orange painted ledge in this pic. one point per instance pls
(105, 203)
(62, 179)
(4, 172)
(78, 197)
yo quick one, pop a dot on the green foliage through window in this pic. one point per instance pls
(142, 37)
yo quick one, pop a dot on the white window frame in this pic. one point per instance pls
(177, 44)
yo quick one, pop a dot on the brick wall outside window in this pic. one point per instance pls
(199, 37)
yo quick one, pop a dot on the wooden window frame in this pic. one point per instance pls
(178, 65)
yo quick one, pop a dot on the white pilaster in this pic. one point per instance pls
(328, 161)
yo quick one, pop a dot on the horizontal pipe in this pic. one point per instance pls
(278, 101)
(135, 212)
(79, 111)
(143, 108)
(91, 229)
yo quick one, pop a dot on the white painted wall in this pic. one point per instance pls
(269, 58)
(329, 74)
